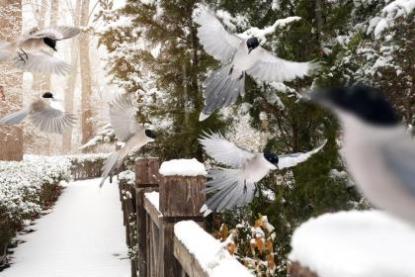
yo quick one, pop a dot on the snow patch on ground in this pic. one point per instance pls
(82, 237)
(210, 253)
(355, 244)
(182, 167)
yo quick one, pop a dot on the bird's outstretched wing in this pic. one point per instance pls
(41, 62)
(52, 120)
(290, 160)
(223, 151)
(229, 188)
(399, 156)
(269, 68)
(122, 117)
(14, 118)
(216, 41)
(56, 33)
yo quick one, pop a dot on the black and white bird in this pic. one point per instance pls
(128, 130)
(235, 186)
(34, 51)
(44, 114)
(238, 57)
(378, 151)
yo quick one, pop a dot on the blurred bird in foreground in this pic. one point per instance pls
(128, 130)
(44, 114)
(34, 51)
(235, 186)
(378, 151)
(238, 57)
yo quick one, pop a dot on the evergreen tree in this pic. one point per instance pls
(155, 54)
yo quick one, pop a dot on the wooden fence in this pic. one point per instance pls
(151, 209)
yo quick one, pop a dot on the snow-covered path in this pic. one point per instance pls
(82, 237)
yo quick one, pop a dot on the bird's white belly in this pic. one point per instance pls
(372, 176)
(256, 170)
(242, 60)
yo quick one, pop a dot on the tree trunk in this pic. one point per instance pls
(11, 138)
(71, 83)
(86, 81)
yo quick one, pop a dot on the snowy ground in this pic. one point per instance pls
(82, 237)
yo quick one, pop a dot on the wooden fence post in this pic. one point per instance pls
(181, 198)
(127, 197)
(147, 179)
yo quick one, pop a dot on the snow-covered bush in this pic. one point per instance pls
(26, 188)
(254, 245)
(29, 186)
(87, 165)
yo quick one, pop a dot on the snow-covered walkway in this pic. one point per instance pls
(82, 237)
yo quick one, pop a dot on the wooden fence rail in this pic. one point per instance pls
(151, 209)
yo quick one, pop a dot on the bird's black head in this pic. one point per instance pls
(367, 103)
(47, 95)
(50, 42)
(150, 133)
(272, 158)
(252, 43)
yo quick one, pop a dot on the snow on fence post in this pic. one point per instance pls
(181, 198)
(147, 179)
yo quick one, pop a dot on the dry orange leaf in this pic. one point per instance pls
(259, 244)
(231, 248)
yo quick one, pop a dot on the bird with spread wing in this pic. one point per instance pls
(34, 51)
(235, 186)
(44, 114)
(238, 57)
(128, 130)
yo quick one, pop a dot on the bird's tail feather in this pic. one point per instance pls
(228, 189)
(109, 164)
(6, 50)
(14, 118)
(221, 90)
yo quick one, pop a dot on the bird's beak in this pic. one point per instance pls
(250, 50)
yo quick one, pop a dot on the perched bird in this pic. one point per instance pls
(238, 57)
(34, 50)
(235, 186)
(127, 130)
(44, 114)
(377, 149)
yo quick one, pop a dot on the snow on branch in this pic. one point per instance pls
(391, 12)
(261, 33)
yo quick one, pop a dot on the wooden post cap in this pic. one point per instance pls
(147, 172)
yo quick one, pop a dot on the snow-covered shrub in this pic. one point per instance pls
(254, 245)
(87, 166)
(26, 188)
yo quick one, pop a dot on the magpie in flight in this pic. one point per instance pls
(34, 51)
(128, 130)
(378, 150)
(238, 57)
(44, 114)
(235, 186)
